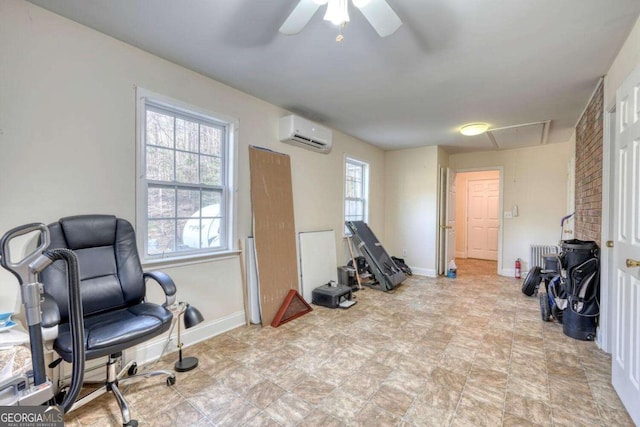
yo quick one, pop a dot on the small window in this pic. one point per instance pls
(356, 191)
(184, 196)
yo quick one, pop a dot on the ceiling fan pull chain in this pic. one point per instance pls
(340, 37)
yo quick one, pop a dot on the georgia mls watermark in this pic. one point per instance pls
(31, 416)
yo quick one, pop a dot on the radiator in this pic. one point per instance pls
(537, 251)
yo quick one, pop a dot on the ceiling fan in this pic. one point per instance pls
(378, 12)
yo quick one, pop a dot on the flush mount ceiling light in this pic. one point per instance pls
(474, 129)
(378, 12)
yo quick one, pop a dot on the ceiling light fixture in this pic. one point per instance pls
(378, 12)
(474, 129)
(337, 12)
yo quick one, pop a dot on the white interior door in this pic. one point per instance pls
(483, 205)
(626, 251)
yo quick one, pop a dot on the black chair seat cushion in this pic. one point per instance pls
(111, 332)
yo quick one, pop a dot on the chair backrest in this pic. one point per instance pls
(110, 271)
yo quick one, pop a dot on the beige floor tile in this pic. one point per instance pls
(181, 414)
(394, 400)
(446, 378)
(342, 405)
(237, 412)
(288, 410)
(511, 420)
(454, 364)
(262, 419)
(372, 415)
(614, 416)
(471, 412)
(485, 393)
(487, 377)
(436, 352)
(438, 397)
(535, 387)
(535, 411)
(213, 398)
(264, 393)
(313, 390)
(318, 418)
(425, 415)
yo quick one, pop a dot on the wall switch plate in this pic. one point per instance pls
(404, 252)
(508, 214)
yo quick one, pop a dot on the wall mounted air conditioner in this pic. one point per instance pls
(301, 132)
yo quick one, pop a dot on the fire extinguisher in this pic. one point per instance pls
(518, 267)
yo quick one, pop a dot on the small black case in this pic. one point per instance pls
(330, 296)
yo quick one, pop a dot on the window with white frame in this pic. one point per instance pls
(184, 188)
(356, 191)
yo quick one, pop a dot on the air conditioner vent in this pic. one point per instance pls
(303, 133)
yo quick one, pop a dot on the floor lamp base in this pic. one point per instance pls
(186, 364)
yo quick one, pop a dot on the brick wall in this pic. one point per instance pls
(589, 170)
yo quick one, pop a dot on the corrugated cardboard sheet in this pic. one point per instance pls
(273, 228)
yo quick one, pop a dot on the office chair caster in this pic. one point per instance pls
(131, 423)
(171, 380)
(133, 369)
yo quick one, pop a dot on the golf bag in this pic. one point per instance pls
(581, 263)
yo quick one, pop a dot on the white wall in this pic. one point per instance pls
(67, 138)
(535, 179)
(627, 60)
(462, 179)
(411, 200)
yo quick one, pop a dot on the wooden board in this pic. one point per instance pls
(318, 260)
(273, 228)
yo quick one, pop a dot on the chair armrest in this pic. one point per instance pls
(50, 311)
(166, 283)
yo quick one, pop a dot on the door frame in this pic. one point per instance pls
(607, 304)
(500, 170)
(441, 232)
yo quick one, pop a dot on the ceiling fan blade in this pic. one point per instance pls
(381, 17)
(299, 17)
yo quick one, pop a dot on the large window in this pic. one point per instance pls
(185, 177)
(356, 191)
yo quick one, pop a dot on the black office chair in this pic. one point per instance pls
(112, 286)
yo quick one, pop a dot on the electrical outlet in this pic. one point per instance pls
(404, 252)
(508, 214)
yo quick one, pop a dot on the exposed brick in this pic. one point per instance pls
(588, 190)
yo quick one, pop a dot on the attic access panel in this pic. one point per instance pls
(519, 136)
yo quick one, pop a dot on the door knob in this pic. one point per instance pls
(632, 263)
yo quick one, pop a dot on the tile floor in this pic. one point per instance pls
(470, 351)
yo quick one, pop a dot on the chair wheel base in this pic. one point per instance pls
(131, 423)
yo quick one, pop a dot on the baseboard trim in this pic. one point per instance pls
(508, 272)
(152, 350)
(428, 272)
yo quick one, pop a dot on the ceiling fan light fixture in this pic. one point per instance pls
(472, 129)
(337, 12)
(360, 3)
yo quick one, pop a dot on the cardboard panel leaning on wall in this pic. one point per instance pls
(273, 228)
